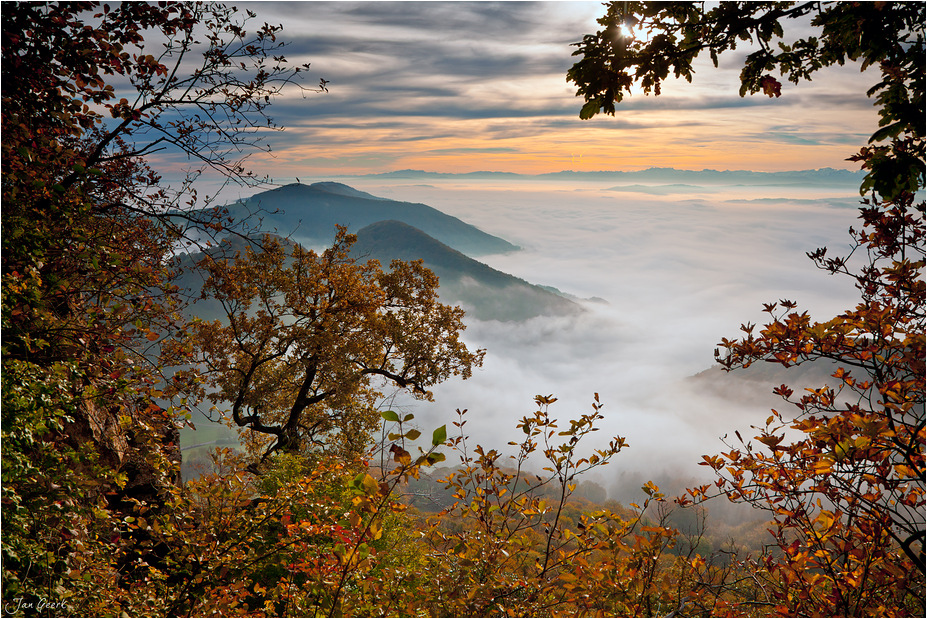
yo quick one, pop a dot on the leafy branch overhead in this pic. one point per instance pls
(644, 43)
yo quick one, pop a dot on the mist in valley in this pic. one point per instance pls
(671, 275)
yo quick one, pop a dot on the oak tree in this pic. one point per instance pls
(306, 334)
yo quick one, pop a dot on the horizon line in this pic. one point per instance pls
(570, 171)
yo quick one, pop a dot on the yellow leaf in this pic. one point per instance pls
(370, 485)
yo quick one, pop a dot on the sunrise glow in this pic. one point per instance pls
(460, 108)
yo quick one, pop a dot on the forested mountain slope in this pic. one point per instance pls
(486, 294)
(309, 214)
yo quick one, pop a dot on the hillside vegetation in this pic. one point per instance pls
(486, 294)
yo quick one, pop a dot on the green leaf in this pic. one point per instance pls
(413, 434)
(389, 416)
(589, 110)
(439, 436)
(890, 131)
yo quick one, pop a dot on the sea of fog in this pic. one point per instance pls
(675, 269)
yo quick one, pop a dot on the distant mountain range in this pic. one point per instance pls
(662, 190)
(309, 213)
(387, 230)
(753, 387)
(823, 176)
(486, 294)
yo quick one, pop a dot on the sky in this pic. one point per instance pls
(468, 86)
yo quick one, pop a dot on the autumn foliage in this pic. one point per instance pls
(103, 361)
(843, 475)
(306, 333)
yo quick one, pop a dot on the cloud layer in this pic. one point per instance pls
(464, 86)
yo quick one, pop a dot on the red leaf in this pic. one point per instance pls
(771, 86)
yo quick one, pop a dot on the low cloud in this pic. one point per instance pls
(677, 276)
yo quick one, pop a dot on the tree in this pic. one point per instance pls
(95, 520)
(306, 333)
(846, 491)
(88, 226)
(88, 232)
(843, 478)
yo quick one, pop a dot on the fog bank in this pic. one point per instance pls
(677, 272)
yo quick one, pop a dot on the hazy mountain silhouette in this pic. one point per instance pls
(486, 294)
(388, 230)
(309, 214)
(753, 386)
(822, 176)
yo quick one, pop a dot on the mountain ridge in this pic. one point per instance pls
(484, 292)
(310, 213)
(827, 174)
